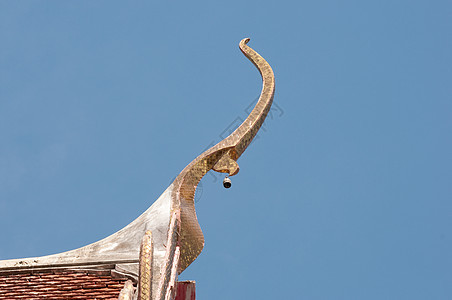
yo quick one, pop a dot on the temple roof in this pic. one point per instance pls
(142, 260)
(61, 284)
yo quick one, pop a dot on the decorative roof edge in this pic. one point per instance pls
(173, 238)
(221, 158)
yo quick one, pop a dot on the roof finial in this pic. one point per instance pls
(221, 158)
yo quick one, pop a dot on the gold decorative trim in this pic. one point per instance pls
(145, 275)
(221, 158)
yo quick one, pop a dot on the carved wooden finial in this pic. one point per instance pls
(221, 158)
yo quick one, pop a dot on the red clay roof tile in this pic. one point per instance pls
(60, 284)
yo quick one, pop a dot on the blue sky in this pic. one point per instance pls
(345, 195)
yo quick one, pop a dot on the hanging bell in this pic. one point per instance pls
(227, 182)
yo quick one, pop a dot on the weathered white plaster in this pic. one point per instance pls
(120, 247)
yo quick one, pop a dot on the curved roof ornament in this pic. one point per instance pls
(221, 158)
(168, 233)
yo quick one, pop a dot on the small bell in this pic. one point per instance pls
(227, 182)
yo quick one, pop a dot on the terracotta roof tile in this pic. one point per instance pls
(60, 284)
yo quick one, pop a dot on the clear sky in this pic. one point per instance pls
(347, 194)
